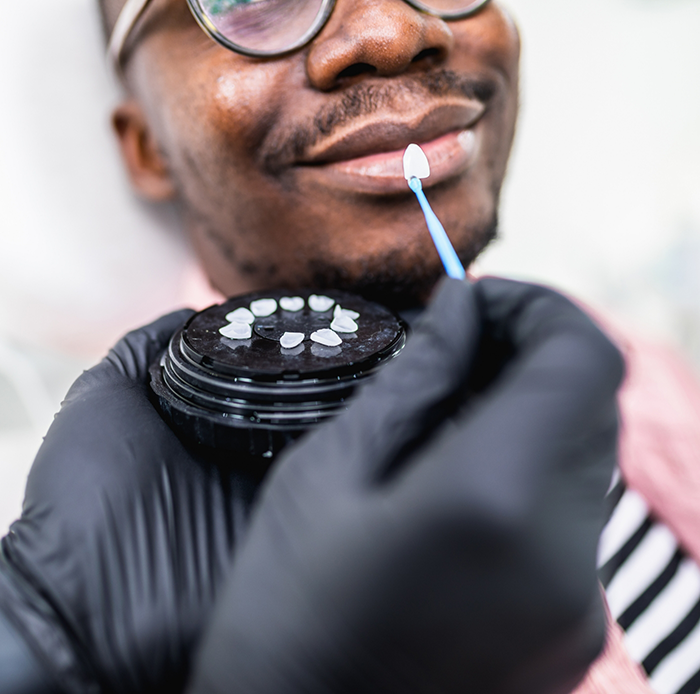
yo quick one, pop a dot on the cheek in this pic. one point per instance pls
(489, 41)
(241, 106)
(214, 125)
(490, 44)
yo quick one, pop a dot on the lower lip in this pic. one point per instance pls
(381, 174)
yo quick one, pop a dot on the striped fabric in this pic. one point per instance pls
(653, 591)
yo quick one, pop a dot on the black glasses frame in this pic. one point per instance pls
(324, 13)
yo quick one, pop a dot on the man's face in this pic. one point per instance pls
(289, 169)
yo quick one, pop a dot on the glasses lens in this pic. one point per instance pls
(264, 26)
(449, 8)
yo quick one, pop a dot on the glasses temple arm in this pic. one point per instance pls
(130, 14)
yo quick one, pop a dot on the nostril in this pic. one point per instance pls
(426, 54)
(357, 69)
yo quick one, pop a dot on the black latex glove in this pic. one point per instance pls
(392, 551)
(110, 572)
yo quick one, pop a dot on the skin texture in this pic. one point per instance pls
(255, 150)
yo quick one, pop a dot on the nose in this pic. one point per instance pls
(375, 37)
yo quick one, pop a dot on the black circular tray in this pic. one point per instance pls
(253, 395)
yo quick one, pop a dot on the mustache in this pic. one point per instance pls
(364, 99)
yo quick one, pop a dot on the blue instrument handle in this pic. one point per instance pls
(445, 249)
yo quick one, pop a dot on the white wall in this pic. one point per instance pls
(80, 259)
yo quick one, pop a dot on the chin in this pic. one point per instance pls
(393, 279)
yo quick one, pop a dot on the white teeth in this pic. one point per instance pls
(291, 340)
(326, 337)
(415, 163)
(263, 307)
(240, 315)
(292, 303)
(237, 331)
(344, 324)
(320, 303)
(339, 310)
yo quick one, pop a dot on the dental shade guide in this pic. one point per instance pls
(416, 167)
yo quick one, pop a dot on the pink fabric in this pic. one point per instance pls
(660, 449)
(659, 458)
(614, 672)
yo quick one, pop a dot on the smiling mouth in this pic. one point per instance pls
(367, 157)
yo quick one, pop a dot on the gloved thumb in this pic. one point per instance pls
(397, 406)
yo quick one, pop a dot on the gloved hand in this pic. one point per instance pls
(111, 571)
(440, 536)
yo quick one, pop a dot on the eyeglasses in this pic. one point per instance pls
(266, 28)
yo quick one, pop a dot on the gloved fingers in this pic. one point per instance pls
(387, 572)
(520, 313)
(397, 405)
(107, 433)
(534, 319)
(551, 404)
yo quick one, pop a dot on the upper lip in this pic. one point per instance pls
(393, 131)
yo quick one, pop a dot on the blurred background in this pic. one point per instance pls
(602, 198)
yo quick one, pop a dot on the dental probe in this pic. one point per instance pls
(415, 167)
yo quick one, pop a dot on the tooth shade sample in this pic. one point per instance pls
(338, 310)
(240, 315)
(237, 331)
(291, 303)
(415, 163)
(263, 307)
(344, 324)
(326, 337)
(291, 340)
(320, 303)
